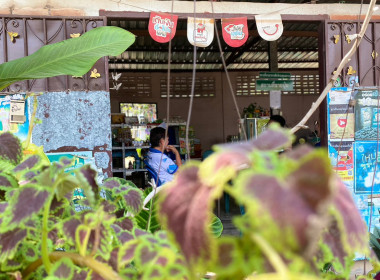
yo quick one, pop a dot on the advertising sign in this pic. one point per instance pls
(200, 31)
(162, 26)
(365, 161)
(367, 114)
(235, 31)
(19, 129)
(269, 26)
(342, 159)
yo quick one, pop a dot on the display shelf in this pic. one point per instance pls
(150, 124)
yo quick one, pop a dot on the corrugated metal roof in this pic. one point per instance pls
(297, 48)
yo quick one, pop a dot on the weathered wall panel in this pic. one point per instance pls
(75, 121)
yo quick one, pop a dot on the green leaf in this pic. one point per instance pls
(216, 226)
(143, 216)
(74, 56)
(10, 147)
(63, 269)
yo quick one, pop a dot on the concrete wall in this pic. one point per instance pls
(75, 121)
(92, 7)
(214, 118)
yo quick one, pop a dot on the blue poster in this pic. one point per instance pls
(365, 161)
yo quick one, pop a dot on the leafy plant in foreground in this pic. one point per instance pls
(299, 216)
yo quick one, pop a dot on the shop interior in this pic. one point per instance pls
(138, 79)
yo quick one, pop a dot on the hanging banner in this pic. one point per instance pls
(235, 31)
(269, 26)
(162, 26)
(203, 34)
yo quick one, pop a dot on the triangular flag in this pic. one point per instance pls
(203, 34)
(235, 31)
(269, 26)
(162, 26)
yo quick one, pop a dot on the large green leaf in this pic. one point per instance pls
(74, 56)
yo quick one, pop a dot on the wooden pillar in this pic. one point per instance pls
(273, 57)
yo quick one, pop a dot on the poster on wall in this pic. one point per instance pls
(19, 129)
(341, 118)
(367, 114)
(342, 160)
(365, 162)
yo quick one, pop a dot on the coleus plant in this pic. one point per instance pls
(298, 217)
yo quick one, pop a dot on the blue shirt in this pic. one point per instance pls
(168, 167)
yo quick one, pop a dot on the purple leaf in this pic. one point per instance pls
(271, 139)
(63, 269)
(162, 261)
(27, 164)
(125, 223)
(127, 252)
(90, 175)
(186, 209)
(145, 254)
(10, 148)
(26, 203)
(274, 198)
(111, 183)
(354, 227)
(134, 200)
(108, 206)
(125, 236)
(9, 242)
(80, 275)
(69, 227)
(113, 259)
(139, 232)
(311, 180)
(7, 181)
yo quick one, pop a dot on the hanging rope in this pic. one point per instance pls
(192, 85)
(226, 71)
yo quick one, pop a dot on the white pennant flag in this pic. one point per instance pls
(203, 34)
(269, 26)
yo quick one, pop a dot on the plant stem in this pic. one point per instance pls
(274, 259)
(31, 122)
(84, 261)
(44, 246)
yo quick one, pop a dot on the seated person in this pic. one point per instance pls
(277, 119)
(158, 145)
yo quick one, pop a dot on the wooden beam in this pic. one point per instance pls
(165, 62)
(253, 33)
(240, 51)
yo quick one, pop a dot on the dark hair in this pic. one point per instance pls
(156, 134)
(278, 119)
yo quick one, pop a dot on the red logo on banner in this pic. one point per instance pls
(162, 27)
(235, 31)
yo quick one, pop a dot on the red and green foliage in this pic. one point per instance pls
(298, 217)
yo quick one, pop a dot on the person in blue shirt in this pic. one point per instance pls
(158, 145)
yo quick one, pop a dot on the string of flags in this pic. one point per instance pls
(200, 31)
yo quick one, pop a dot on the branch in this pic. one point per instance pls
(343, 63)
(100, 268)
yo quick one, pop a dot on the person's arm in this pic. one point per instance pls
(178, 159)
